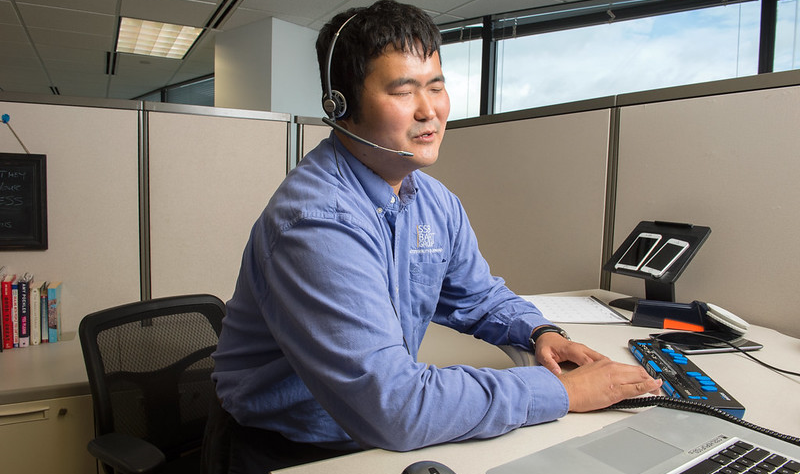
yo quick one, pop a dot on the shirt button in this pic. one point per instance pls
(380, 210)
(392, 200)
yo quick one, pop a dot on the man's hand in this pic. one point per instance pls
(598, 381)
(599, 384)
(552, 349)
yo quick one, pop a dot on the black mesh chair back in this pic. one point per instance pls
(149, 366)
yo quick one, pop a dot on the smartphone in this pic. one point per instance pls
(700, 343)
(664, 257)
(638, 252)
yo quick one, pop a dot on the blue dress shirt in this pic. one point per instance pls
(338, 283)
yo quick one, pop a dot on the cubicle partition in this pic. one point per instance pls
(730, 162)
(310, 131)
(211, 175)
(536, 202)
(144, 199)
(92, 201)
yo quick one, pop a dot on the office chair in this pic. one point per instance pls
(149, 366)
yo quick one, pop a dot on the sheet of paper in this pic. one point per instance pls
(576, 309)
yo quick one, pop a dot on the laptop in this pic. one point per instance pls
(664, 441)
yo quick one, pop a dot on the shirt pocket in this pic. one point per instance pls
(428, 273)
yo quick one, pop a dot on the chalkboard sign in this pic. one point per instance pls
(23, 202)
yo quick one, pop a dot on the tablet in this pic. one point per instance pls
(700, 343)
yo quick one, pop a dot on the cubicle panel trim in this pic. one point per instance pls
(145, 280)
(216, 111)
(308, 120)
(28, 98)
(289, 155)
(538, 112)
(773, 80)
(610, 210)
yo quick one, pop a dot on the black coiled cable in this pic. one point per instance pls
(689, 405)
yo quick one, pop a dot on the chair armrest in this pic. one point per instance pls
(126, 454)
(520, 357)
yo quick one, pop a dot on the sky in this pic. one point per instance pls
(619, 57)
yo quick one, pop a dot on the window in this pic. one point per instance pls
(584, 50)
(154, 96)
(198, 92)
(627, 56)
(461, 65)
(787, 36)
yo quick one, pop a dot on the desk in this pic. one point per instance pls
(43, 371)
(46, 409)
(770, 400)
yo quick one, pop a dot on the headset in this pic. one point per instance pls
(334, 102)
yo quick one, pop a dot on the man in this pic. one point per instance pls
(356, 253)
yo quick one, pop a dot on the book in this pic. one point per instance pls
(24, 309)
(5, 299)
(54, 311)
(36, 313)
(43, 312)
(15, 311)
(5, 311)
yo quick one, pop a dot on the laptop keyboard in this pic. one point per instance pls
(742, 457)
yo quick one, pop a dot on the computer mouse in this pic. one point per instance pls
(428, 467)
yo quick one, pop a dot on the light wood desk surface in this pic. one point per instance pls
(43, 371)
(770, 399)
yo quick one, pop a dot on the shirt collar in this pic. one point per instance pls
(377, 189)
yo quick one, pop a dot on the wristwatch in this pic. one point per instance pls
(543, 329)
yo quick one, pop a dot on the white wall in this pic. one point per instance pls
(295, 82)
(242, 67)
(268, 65)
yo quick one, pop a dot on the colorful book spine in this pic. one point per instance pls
(54, 311)
(44, 312)
(36, 314)
(15, 311)
(24, 310)
(5, 300)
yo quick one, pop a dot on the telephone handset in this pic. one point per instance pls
(726, 319)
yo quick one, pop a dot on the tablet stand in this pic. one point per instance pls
(660, 288)
(653, 290)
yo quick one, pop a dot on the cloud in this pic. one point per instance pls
(626, 56)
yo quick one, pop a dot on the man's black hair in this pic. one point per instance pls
(373, 29)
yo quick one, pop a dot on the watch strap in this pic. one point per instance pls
(545, 329)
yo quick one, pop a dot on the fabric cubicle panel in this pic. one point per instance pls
(312, 135)
(536, 200)
(210, 178)
(92, 202)
(729, 162)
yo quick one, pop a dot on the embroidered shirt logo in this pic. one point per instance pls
(425, 236)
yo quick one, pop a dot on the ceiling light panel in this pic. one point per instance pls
(153, 38)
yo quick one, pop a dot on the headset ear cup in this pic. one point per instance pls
(335, 105)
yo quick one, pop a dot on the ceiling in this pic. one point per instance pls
(64, 46)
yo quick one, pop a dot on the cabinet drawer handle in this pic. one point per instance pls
(23, 414)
